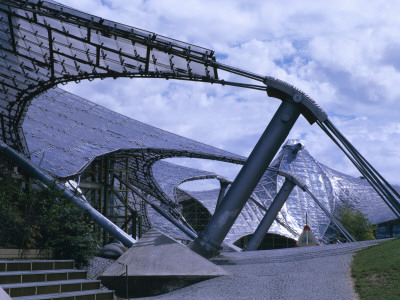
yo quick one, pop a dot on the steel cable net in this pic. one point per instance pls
(66, 134)
(57, 130)
(44, 43)
(333, 189)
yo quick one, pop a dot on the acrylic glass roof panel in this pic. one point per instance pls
(332, 188)
(78, 128)
(66, 147)
(311, 173)
(43, 43)
(358, 193)
(247, 221)
(160, 223)
(170, 175)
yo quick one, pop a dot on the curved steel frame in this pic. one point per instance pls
(44, 44)
(271, 215)
(224, 183)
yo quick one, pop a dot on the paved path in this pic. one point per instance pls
(321, 272)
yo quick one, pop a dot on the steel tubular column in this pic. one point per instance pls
(170, 218)
(35, 172)
(223, 186)
(270, 216)
(209, 241)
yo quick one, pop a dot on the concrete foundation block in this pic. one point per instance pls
(157, 264)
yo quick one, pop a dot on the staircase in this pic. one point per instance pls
(48, 279)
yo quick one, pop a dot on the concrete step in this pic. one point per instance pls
(81, 295)
(49, 279)
(41, 275)
(34, 265)
(50, 287)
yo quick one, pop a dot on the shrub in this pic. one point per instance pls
(13, 232)
(356, 223)
(44, 219)
(68, 233)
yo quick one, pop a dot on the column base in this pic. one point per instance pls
(204, 247)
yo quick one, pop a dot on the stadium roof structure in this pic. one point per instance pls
(333, 189)
(75, 131)
(43, 44)
(66, 133)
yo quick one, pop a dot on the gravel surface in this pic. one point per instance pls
(96, 266)
(319, 272)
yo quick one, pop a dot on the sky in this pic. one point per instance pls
(344, 54)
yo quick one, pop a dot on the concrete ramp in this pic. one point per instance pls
(157, 264)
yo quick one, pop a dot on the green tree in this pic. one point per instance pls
(356, 223)
(44, 219)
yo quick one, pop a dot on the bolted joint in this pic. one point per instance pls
(297, 98)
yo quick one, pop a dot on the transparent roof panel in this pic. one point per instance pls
(65, 133)
(44, 43)
(76, 126)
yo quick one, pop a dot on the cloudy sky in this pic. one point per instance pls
(344, 54)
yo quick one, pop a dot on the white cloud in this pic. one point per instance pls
(343, 53)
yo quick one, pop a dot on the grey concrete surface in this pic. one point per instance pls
(318, 272)
(157, 264)
(156, 254)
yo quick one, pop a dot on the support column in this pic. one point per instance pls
(270, 216)
(167, 216)
(106, 193)
(209, 241)
(30, 169)
(223, 186)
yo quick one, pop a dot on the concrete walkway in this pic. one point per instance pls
(319, 272)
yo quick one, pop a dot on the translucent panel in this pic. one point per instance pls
(70, 131)
(107, 40)
(161, 60)
(30, 59)
(46, 21)
(5, 41)
(100, 126)
(197, 68)
(132, 64)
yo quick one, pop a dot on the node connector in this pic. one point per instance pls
(286, 92)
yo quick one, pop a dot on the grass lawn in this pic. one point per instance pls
(376, 271)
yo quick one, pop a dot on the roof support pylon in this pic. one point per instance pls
(270, 216)
(35, 172)
(223, 186)
(209, 241)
